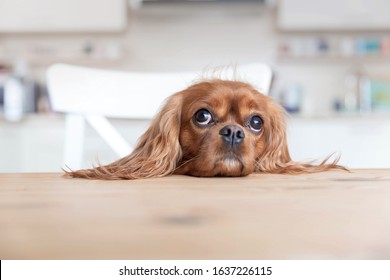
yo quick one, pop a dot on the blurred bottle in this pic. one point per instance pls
(347, 47)
(3, 76)
(357, 92)
(365, 96)
(19, 93)
(385, 46)
(351, 93)
(291, 98)
(13, 99)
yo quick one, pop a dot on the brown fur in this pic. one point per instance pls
(174, 144)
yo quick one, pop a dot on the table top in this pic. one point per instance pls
(330, 215)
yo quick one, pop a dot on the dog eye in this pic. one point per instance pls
(203, 117)
(255, 123)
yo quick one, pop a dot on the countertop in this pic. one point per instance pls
(331, 215)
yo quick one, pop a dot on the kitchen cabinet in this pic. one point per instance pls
(361, 141)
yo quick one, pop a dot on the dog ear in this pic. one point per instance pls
(275, 157)
(157, 153)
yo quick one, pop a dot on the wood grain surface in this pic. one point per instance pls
(332, 215)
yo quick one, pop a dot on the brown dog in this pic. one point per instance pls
(212, 128)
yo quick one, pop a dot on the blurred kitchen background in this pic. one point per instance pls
(330, 60)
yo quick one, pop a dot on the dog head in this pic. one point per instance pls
(227, 128)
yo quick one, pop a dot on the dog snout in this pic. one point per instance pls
(232, 134)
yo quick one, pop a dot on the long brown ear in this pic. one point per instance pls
(156, 154)
(276, 158)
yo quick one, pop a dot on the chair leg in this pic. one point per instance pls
(74, 141)
(109, 134)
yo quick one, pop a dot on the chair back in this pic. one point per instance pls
(132, 95)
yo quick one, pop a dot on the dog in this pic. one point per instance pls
(213, 128)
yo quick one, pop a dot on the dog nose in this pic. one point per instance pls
(232, 134)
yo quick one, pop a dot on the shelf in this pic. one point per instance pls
(333, 59)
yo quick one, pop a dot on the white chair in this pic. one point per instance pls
(93, 95)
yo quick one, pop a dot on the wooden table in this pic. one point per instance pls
(332, 215)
